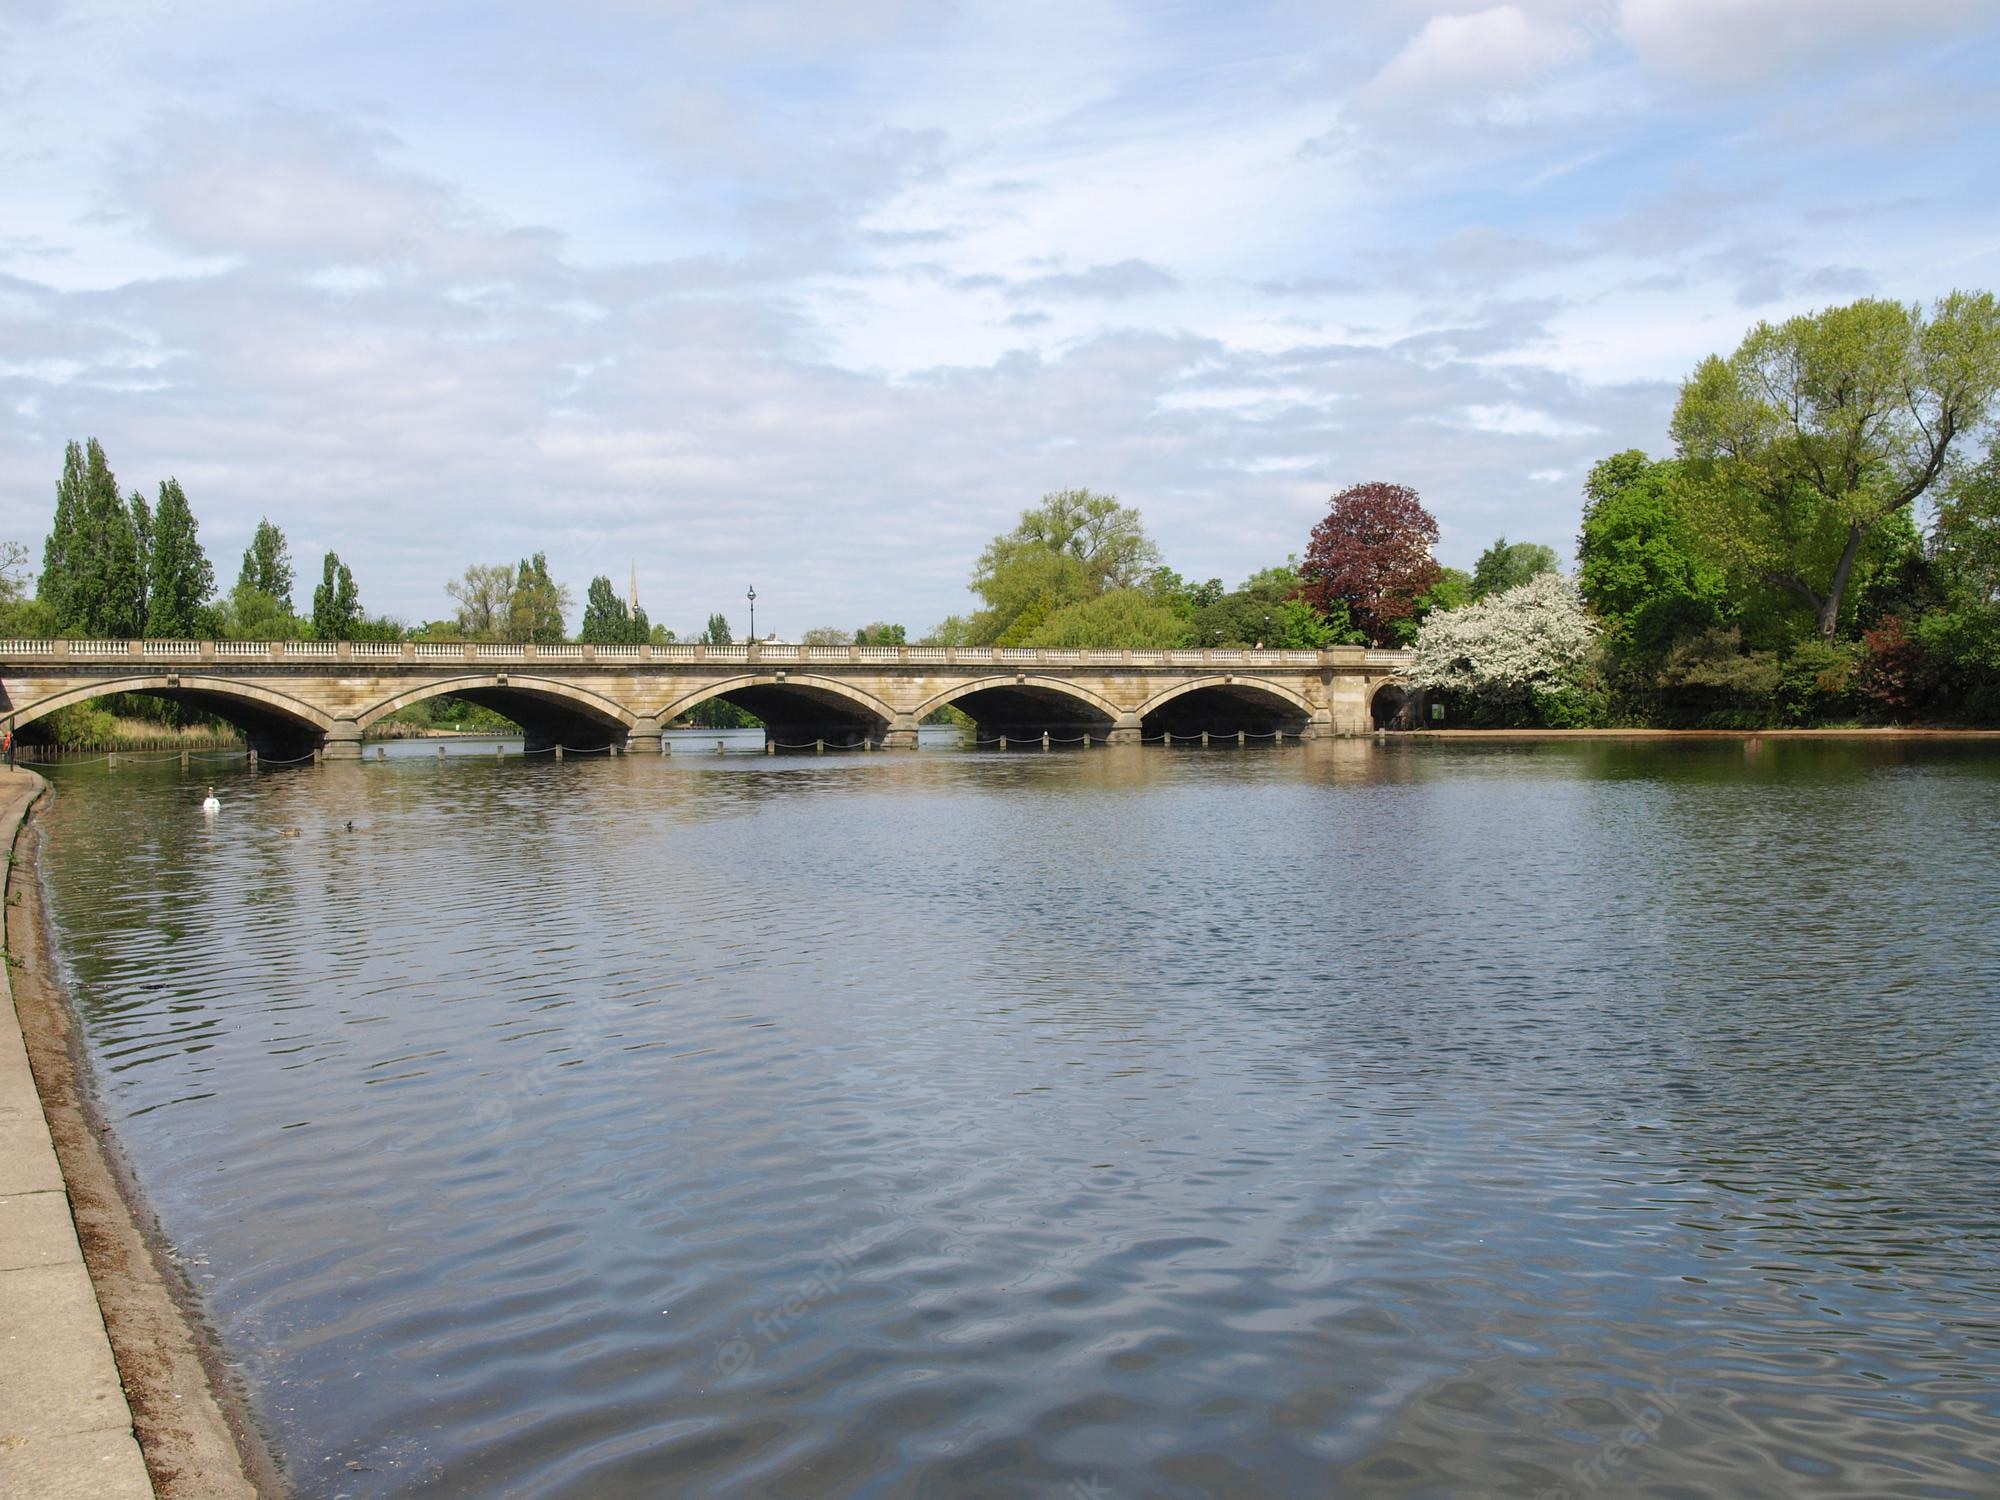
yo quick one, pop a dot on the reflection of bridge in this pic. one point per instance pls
(299, 696)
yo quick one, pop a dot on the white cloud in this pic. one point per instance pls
(841, 295)
(1453, 54)
(1737, 41)
(1513, 420)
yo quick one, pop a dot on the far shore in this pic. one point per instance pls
(1855, 733)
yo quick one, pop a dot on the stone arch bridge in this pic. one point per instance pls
(297, 697)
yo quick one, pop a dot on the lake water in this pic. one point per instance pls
(1343, 1119)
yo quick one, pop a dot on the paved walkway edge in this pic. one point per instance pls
(65, 1425)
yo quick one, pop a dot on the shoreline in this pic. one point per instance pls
(1886, 733)
(194, 1422)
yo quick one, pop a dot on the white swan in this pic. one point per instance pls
(209, 805)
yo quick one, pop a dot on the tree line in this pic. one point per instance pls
(1822, 545)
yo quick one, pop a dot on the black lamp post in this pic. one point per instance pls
(752, 596)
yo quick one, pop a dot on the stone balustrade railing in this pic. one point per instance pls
(384, 652)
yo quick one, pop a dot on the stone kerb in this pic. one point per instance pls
(65, 1426)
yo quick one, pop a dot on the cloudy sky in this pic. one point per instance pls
(820, 297)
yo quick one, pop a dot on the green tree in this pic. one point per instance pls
(1185, 599)
(1267, 608)
(1123, 619)
(180, 576)
(14, 573)
(827, 635)
(880, 633)
(717, 631)
(605, 615)
(1642, 564)
(952, 630)
(1507, 565)
(485, 600)
(106, 596)
(378, 628)
(336, 602)
(1954, 626)
(250, 614)
(1819, 430)
(141, 515)
(93, 563)
(536, 610)
(1072, 547)
(608, 620)
(267, 564)
(59, 553)
(22, 617)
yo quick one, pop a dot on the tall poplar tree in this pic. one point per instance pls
(59, 551)
(93, 563)
(336, 602)
(538, 604)
(607, 620)
(267, 564)
(179, 575)
(142, 538)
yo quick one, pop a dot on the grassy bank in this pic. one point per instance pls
(87, 728)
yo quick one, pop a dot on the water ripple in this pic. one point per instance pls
(1356, 1119)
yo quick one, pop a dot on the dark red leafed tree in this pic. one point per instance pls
(1372, 553)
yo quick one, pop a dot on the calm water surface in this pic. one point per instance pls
(1347, 1119)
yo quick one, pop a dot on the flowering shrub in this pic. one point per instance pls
(1522, 656)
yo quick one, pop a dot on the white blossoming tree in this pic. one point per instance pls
(1517, 657)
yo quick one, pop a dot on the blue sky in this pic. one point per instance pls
(820, 297)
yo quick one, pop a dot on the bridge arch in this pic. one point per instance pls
(274, 723)
(1097, 703)
(795, 707)
(1392, 704)
(1025, 705)
(586, 702)
(549, 710)
(1222, 704)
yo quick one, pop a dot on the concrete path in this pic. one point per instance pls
(65, 1428)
